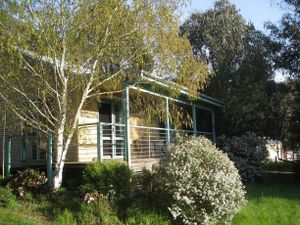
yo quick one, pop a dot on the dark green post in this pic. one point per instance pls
(38, 145)
(194, 119)
(213, 121)
(168, 122)
(99, 142)
(49, 158)
(22, 147)
(8, 157)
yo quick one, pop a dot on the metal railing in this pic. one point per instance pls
(147, 142)
(107, 140)
(101, 140)
(152, 142)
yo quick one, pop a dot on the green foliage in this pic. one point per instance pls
(297, 169)
(278, 166)
(286, 40)
(28, 180)
(72, 51)
(58, 201)
(204, 184)
(247, 152)
(7, 199)
(15, 217)
(5, 180)
(239, 55)
(65, 218)
(220, 26)
(147, 217)
(291, 116)
(111, 178)
(98, 212)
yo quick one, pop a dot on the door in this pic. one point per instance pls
(113, 130)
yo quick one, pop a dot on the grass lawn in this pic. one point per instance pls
(16, 217)
(273, 201)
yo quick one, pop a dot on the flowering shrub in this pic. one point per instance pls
(247, 152)
(92, 196)
(204, 184)
(28, 180)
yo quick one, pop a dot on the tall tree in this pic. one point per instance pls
(285, 42)
(239, 57)
(57, 54)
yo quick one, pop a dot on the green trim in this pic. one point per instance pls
(168, 122)
(194, 114)
(126, 111)
(8, 157)
(213, 122)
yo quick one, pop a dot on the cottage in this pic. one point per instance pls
(115, 129)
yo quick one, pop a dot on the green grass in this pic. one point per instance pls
(16, 217)
(273, 201)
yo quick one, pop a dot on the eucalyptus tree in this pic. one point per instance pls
(240, 59)
(285, 43)
(286, 40)
(58, 54)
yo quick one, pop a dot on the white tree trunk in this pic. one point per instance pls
(57, 180)
(59, 164)
(63, 142)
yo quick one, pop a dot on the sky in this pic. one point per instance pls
(256, 11)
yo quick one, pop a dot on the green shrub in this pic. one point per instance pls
(7, 199)
(98, 212)
(4, 181)
(297, 168)
(151, 188)
(28, 180)
(111, 178)
(139, 217)
(65, 218)
(247, 152)
(204, 184)
(60, 200)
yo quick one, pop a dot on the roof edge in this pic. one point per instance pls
(183, 90)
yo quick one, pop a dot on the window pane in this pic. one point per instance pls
(204, 123)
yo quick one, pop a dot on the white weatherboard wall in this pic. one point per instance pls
(87, 136)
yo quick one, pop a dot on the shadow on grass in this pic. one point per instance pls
(275, 185)
(273, 200)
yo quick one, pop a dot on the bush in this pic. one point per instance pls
(111, 178)
(98, 212)
(7, 199)
(28, 180)
(4, 181)
(247, 152)
(150, 186)
(297, 168)
(65, 218)
(204, 184)
(148, 217)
